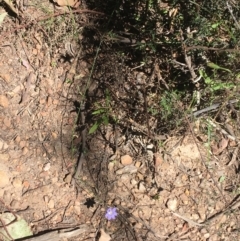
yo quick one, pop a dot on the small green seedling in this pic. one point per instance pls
(214, 85)
(217, 67)
(102, 113)
(222, 179)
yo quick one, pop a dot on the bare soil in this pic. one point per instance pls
(184, 190)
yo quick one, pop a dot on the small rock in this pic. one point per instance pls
(54, 179)
(195, 216)
(125, 177)
(7, 196)
(77, 207)
(126, 160)
(133, 182)
(7, 122)
(6, 77)
(219, 205)
(55, 102)
(3, 145)
(24, 150)
(26, 184)
(140, 176)
(127, 169)
(15, 154)
(16, 90)
(206, 235)
(50, 82)
(18, 139)
(54, 135)
(110, 166)
(4, 101)
(47, 167)
(38, 46)
(158, 160)
(15, 204)
(4, 157)
(22, 144)
(4, 178)
(46, 199)
(68, 178)
(17, 183)
(104, 236)
(51, 204)
(35, 51)
(141, 187)
(184, 198)
(138, 164)
(172, 204)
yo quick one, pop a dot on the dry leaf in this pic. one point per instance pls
(221, 146)
(2, 16)
(104, 236)
(70, 3)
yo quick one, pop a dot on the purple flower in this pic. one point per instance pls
(111, 213)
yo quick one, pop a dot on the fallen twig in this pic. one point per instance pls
(212, 107)
(211, 49)
(190, 221)
(58, 235)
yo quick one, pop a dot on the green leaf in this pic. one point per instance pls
(94, 128)
(215, 66)
(105, 120)
(99, 111)
(222, 178)
(215, 25)
(206, 78)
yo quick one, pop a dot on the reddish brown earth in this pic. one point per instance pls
(175, 193)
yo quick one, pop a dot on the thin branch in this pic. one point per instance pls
(231, 12)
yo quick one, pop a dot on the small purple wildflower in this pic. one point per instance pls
(111, 213)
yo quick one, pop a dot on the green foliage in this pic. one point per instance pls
(214, 85)
(167, 103)
(217, 67)
(102, 114)
(165, 32)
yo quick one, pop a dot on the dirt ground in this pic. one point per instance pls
(184, 190)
